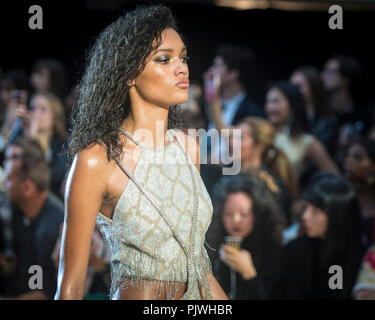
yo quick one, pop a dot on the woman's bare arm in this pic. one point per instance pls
(86, 186)
(217, 291)
(319, 156)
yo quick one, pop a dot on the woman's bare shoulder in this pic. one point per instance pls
(92, 158)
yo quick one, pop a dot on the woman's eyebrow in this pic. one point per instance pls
(170, 50)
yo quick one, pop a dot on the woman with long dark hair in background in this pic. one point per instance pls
(359, 167)
(246, 210)
(332, 238)
(322, 123)
(285, 109)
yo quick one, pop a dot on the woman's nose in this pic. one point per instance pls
(306, 215)
(236, 218)
(181, 68)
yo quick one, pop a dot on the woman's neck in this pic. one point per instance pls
(253, 162)
(280, 128)
(310, 111)
(363, 188)
(342, 102)
(365, 192)
(147, 123)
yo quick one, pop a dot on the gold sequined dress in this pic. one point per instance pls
(157, 231)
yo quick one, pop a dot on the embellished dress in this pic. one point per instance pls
(157, 231)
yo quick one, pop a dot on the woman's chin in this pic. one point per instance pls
(237, 234)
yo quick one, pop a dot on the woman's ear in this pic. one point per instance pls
(131, 83)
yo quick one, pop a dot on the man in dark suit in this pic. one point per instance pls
(231, 74)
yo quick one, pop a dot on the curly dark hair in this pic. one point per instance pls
(118, 55)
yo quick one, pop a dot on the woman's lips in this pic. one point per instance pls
(236, 230)
(183, 85)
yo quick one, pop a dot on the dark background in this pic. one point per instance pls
(281, 40)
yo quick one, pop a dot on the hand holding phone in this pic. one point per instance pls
(211, 86)
(19, 97)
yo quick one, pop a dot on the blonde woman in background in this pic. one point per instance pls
(259, 152)
(45, 121)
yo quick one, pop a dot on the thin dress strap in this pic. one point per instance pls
(140, 144)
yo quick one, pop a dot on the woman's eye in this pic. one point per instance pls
(185, 59)
(163, 60)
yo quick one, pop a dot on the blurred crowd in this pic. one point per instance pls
(35, 118)
(297, 221)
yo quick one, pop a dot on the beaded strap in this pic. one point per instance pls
(195, 216)
(140, 144)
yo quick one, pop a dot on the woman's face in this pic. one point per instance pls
(277, 107)
(300, 80)
(238, 217)
(331, 76)
(247, 142)
(40, 79)
(41, 114)
(165, 79)
(315, 222)
(357, 163)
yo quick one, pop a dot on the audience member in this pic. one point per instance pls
(364, 288)
(285, 110)
(37, 215)
(226, 87)
(359, 167)
(45, 122)
(333, 237)
(322, 124)
(342, 76)
(49, 74)
(13, 92)
(244, 208)
(48, 126)
(259, 152)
